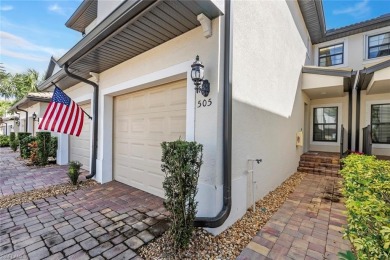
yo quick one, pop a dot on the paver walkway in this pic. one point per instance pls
(109, 221)
(16, 177)
(307, 226)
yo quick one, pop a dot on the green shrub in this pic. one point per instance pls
(53, 147)
(23, 147)
(181, 162)
(74, 171)
(12, 136)
(43, 142)
(367, 192)
(4, 141)
(14, 144)
(33, 147)
(25, 150)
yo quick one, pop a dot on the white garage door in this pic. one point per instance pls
(142, 120)
(80, 147)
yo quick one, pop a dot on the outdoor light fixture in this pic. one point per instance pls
(197, 75)
(17, 122)
(34, 116)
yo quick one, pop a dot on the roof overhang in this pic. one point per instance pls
(136, 26)
(313, 15)
(31, 99)
(50, 68)
(320, 83)
(83, 16)
(9, 118)
(376, 78)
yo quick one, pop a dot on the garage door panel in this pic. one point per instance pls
(137, 103)
(80, 147)
(121, 149)
(157, 99)
(138, 125)
(154, 115)
(178, 96)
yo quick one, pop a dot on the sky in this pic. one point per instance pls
(339, 13)
(31, 31)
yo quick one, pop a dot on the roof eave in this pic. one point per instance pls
(114, 21)
(77, 14)
(366, 74)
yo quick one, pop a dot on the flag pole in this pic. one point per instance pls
(90, 117)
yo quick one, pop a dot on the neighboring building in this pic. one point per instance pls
(267, 83)
(32, 104)
(8, 124)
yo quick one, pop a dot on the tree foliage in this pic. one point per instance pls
(4, 106)
(17, 85)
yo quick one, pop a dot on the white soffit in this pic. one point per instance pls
(322, 86)
(380, 82)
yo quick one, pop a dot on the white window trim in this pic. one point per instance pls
(331, 43)
(368, 118)
(366, 60)
(339, 120)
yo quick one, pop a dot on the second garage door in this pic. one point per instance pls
(80, 147)
(142, 120)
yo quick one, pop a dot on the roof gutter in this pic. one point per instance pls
(17, 107)
(94, 116)
(213, 222)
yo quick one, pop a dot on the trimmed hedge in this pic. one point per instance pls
(23, 146)
(43, 147)
(53, 147)
(4, 141)
(181, 162)
(12, 136)
(367, 192)
(13, 142)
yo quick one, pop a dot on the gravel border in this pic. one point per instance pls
(230, 243)
(59, 189)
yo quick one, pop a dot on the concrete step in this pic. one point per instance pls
(320, 163)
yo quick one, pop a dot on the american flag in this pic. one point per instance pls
(62, 115)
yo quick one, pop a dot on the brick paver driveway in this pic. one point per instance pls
(108, 221)
(305, 227)
(16, 177)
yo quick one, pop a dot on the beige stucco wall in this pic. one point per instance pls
(355, 48)
(208, 127)
(342, 104)
(365, 119)
(270, 47)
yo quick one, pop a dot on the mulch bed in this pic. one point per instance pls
(230, 243)
(60, 189)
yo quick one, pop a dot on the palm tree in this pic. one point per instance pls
(19, 84)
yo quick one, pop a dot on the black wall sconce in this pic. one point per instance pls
(34, 116)
(197, 75)
(17, 122)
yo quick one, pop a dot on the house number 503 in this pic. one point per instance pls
(204, 103)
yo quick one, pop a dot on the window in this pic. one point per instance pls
(325, 124)
(331, 55)
(379, 45)
(380, 123)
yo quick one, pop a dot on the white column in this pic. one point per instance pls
(104, 160)
(63, 149)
